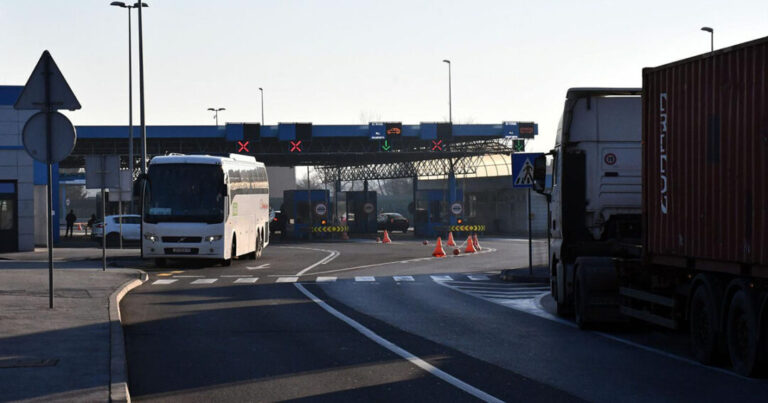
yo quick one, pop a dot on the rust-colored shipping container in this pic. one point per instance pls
(705, 160)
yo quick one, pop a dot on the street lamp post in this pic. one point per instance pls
(711, 37)
(130, 92)
(262, 105)
(216, 114)
(141, 94)
(450, 112)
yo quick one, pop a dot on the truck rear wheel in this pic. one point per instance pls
(703, 323)
(741, 331)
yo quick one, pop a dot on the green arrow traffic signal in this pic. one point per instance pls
(386, 146)
(518, 145)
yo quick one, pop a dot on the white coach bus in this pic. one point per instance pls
(205, 207)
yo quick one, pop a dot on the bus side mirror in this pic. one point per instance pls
(540, 174)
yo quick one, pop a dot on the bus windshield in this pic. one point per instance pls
(185, 193)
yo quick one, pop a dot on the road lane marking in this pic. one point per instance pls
(403, 278)
(365, 278)
(249, 280)
(332, 254)
(441, 278)
(399, 350)
(487, 250)
(164, 281)
(261, 266)
(185, 276)
(478, 277)
(205, 281)
(325, 279)
(291, 279)
(236, 275)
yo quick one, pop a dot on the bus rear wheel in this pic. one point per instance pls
(259, 247)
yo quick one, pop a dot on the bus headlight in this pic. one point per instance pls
(150, 237)
(212, 238)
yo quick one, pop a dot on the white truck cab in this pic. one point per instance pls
(596, 191)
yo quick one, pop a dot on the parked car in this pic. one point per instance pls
(131, 229)
(277, 223)
(392, 222)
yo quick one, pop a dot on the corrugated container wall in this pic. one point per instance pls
(705, 156)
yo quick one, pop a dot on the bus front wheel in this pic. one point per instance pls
(232, 254)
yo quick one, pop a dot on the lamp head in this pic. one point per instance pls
(708, 29)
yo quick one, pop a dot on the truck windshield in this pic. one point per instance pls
(185, 193)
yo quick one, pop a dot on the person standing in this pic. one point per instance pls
(71, 218)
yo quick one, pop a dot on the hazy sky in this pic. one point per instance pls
(345, 62)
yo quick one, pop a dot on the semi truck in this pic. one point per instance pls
(659, 204)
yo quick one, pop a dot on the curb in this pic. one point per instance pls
(118, 384)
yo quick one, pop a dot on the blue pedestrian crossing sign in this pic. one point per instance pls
(522, 169)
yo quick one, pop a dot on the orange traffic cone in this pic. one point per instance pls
(470, 245)
(450, 240)
(438, 252)
(474, 241)
(386, 237)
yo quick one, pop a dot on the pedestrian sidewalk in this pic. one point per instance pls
(73, 352)
(70, 254)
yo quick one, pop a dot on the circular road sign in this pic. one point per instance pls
(610, 158)
(368, 208)
(321, 209)
(456, 208)
(63, 137)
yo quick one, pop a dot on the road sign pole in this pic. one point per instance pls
(49, 190)
(47, 131)
(103, 214)
(120, 215)
(530, 236)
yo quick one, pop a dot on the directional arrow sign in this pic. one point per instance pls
(47, 74)
(386, 146)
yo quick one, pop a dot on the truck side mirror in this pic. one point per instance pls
(540, 174)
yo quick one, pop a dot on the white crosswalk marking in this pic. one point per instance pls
(402, 278)
(291, 279)
(365, 278)
(510, 294)
(477, 277)
(164, 281)
(441, 278)
(205, 281)
(247, 280)
(325, 279)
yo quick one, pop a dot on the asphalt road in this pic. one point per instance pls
(365, 321)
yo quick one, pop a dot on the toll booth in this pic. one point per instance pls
(361, 209)
(306, 211)
(434, 213)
